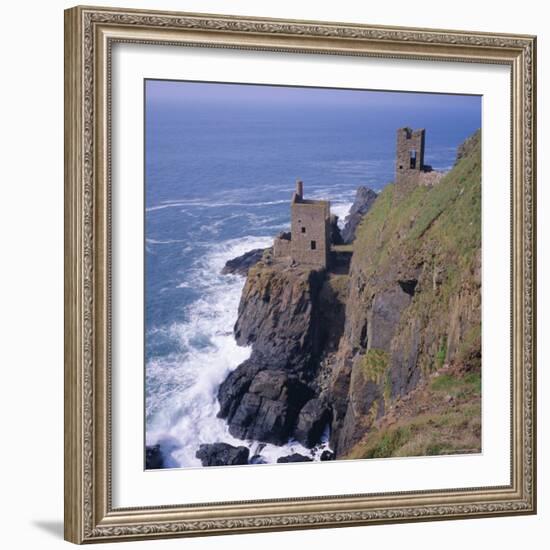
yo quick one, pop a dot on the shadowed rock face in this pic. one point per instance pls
(335, 233)
(312, 421)
(222, 454)
(267, 409)
(364, 199)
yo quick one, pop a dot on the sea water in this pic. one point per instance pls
(218, 182)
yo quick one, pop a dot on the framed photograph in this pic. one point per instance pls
(300, 274)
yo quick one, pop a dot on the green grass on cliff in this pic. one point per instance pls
(450, 423)
(456, 431)
(448, 213)
(465, 386)
(436, 231)
(374, 365)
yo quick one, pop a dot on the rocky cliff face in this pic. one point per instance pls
(345, 349)
(364, 199)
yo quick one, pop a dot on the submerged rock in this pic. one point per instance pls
(241, 264)
(153, 458)
(296, 457)
(364, 199)
(258, 459)
(222, 454)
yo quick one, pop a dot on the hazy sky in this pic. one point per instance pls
(164, 92)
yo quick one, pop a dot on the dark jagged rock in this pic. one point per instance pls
(153, 458)
(234, 387)
(335, 234)
(312, 421)
(277, 316)
(296, 457)
(222, 454)
(364, 199)
(241, 264)
(260, 419)
(264, 408)
(327, 455)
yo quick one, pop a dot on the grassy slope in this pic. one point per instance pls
(446, 217)
(442, 416)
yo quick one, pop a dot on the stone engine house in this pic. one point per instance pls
(409, 162)
(309, 239)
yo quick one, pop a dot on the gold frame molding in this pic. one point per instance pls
(89, 35)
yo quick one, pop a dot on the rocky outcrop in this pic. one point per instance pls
(364, 199)
(241, 264)
(261, 404)
(278, 316)
(222, 454)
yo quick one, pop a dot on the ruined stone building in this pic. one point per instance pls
(409, 160)
(309, 239)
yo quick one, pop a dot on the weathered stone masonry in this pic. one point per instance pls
(309, 239)
(409, 163)
(410, 154)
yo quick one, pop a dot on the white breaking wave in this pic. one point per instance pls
(167, 241)
(209, 204)
(341, 210)
(182, 388)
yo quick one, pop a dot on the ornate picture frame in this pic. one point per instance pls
(90, 34)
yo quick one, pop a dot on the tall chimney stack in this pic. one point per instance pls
(300, 189)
